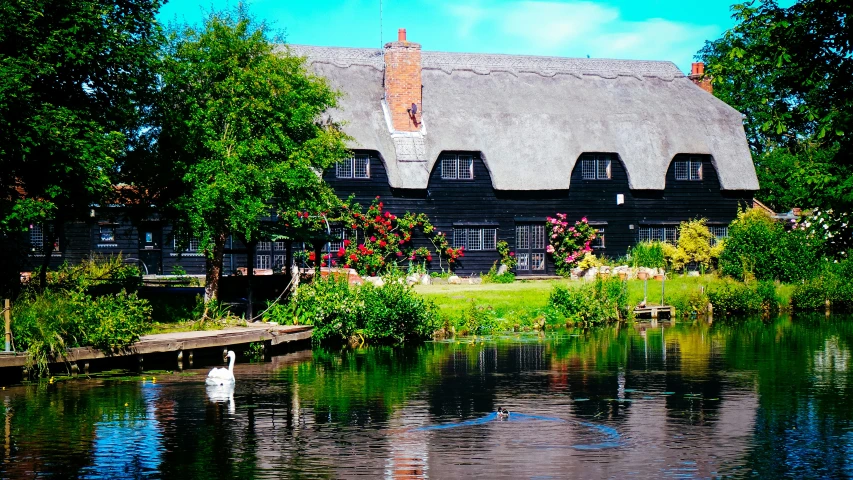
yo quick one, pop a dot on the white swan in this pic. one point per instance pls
(222, 376)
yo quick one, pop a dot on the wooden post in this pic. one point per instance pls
(191, 359)
(180, 359)
(86, 368)
(75, 370)
(7, 315)
(139, 366)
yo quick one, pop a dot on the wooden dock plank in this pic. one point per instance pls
(173, 342)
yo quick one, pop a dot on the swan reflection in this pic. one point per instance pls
(222, 394)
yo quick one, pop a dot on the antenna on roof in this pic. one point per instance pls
(381, 45)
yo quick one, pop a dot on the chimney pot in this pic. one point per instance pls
(401, 34)
(697, 69)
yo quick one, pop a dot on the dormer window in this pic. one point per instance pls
(690, 169)
(457, 167)
(596, 166)
(357, 166)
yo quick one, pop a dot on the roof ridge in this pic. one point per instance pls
(484, 63)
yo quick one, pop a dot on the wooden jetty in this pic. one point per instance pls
(180, 342)
(655, 311)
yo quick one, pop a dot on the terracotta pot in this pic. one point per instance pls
(642, 275)
(622, 275)
(659, 277)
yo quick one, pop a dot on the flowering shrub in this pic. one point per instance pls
(384, 240)
(568, 244)
(507, 256)
(835, 228)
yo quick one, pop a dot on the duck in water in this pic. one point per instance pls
(502, 413)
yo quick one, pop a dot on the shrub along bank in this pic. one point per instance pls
(83, 305)
(340, 311)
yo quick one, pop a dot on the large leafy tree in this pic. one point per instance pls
(242, 126)
(790, 72)
(74, 78)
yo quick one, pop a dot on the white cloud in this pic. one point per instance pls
(576, 28)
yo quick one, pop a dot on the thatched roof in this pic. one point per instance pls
(532, 117)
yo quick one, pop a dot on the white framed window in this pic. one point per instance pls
(264, 246)
(658, 234)
(522, 237)
(192, 245)
(457, 167)
(37, 239)
(357, 166)
(107, 234)
(537, 237)
(262, 261)
(279, 246)
(537, 261)
(596, 166)
(523, 261)
(278, 262)
(690, 169)
(475, 239)
(718, 233)
(341, 234)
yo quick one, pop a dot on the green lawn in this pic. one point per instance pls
(527, 298)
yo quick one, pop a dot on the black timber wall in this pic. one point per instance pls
(475, 201)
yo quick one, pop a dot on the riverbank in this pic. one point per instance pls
(523, 300)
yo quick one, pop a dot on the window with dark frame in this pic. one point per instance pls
(690, 169)
(475, 239)
(598, 242)
(596, 166)
(357, 167)
(457, 167)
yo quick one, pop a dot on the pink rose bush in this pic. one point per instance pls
(568, 243)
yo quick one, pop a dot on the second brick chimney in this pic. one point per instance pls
(403, 83)
(697, 74)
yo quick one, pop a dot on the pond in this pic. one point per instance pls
(747, 398)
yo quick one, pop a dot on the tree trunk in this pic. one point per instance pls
(214, 270)
(49, 238)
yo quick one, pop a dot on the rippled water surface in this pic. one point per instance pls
(734, 399)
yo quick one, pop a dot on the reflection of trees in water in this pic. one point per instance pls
(804, 412)
(55, 425)
(770, 397)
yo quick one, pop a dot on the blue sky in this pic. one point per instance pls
(651, 30)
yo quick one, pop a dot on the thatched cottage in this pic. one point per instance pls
(489, 145)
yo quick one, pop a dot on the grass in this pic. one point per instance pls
(527, 299)
(506, 299)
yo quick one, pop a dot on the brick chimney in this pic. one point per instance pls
(403, 83)
(697, 74)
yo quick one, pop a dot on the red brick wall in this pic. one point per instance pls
(403, 83)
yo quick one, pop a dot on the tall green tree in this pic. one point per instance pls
(790, 72)
(74, 79)
(242, 126)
